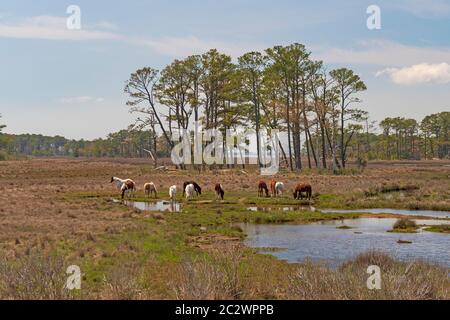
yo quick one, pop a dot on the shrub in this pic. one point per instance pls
(405, 223)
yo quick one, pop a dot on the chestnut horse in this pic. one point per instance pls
(273, 192)
(300, 188)
(262, 187)
(219, 191)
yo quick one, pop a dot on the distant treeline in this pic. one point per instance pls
(125, 143)
(403, 139)
(397, 139)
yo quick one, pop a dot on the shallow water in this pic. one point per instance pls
(282, 208)
(325, 242)
(162, 206)
(428, 213)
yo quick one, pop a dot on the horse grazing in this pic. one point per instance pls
(173, 193)
(262, 187)
(150, 188)
(272, 187)
(219, 191)
(300, 188)
(126, 186)
(189, 191)
(279, 188)
(197, 188)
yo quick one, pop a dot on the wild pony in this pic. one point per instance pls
(262, 187)
(150, 188)
(300, 188)
(173, 193)
(197, 188)
(279, 188)
(189, 191)
(272, 187)
(126, 186)
(219, 191)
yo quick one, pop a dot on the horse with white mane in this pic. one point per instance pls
(126, 186)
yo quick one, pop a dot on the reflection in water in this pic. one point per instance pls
(428, 213)
(170, 206)
(324, 242)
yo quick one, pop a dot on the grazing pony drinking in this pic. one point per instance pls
(173, 193)
(262, 187)
(279, 188)
(300, 188)
(150, 188)
(197, 188)
(126, 186)
(219, 191)
(189, 191)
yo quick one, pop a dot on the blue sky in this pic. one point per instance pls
(70, 82)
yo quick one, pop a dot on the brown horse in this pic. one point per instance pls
(300, 188)
(219, 191)
(124, 186)
(262, 187)
(273, 192)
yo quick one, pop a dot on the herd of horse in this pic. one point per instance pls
(128, 187)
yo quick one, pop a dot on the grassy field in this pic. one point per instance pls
(58, 212)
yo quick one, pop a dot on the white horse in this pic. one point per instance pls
(279, 188)
(126, 186)
(173, 193)
(189, 191)
(150, 188)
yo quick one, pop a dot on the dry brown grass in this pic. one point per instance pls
(400, 280)
(33, 277)
(218, 276)
(123, 282)
(39, 212)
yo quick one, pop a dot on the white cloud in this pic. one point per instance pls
(419, 74)
(81, 99)
(50, 28)
(54, 28)
(383, 53)
(184, 46)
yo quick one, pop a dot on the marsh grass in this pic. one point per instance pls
(216, 276)
(400, 280)
(34, 277)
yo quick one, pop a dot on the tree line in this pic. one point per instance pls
(127, 143)
(399, 139)
(282, 88)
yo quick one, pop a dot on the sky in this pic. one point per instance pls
(59, 81)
